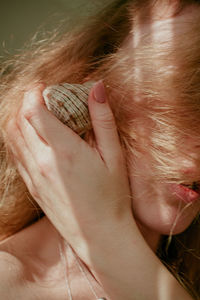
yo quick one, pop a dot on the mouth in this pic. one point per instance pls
(188, 193)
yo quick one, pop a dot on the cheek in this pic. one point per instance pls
(154, 207)
(144, 191)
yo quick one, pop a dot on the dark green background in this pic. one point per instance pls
(20, 19)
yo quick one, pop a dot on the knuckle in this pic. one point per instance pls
(30, 186)
(10, 127)
(68, 155)
(31, 105)
(105, 121)
(28, 112)
(44, 166)
(32, 190)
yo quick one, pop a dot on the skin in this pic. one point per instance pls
(31, 267)
(36, 172)
(157, 208)
(40, 162)
(118, 222)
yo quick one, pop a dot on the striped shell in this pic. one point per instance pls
(68, 102)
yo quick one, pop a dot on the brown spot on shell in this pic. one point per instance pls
(68, 102)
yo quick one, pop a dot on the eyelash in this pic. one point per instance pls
(195, 186)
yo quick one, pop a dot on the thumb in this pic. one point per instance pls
(104, 126)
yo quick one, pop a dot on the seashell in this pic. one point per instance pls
(68, 102)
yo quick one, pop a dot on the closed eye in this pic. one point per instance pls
(195, 186)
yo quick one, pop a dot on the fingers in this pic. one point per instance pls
(104, 126)
(18, 147)
(26, 178)
(47, 126)
(37, 146)
(23, 158)
(41, 128)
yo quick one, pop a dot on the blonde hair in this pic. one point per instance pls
(98, 50)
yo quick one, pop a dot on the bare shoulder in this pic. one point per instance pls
(8, 262)
(12, 268)
(10, 275)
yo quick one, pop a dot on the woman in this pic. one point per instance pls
(140, 198)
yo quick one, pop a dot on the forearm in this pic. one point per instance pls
(128, 269)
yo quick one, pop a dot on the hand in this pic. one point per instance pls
(83, 190)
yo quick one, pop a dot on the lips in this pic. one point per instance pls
(184, 193)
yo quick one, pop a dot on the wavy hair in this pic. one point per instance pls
(154, 71)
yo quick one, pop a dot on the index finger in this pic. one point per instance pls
(47, 126)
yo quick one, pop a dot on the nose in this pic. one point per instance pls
(188, 158)
(188, 167)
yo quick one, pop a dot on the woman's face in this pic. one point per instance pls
(159, 206)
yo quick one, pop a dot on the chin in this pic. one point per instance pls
(164, 217)
(174, 228)
(166, 223)
(160, 213)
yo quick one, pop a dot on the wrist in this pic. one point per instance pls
(106, 237)
(113, 238)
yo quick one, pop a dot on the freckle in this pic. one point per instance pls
(61, 104)
(48, 96)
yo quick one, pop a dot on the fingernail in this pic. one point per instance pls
(99, 92)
